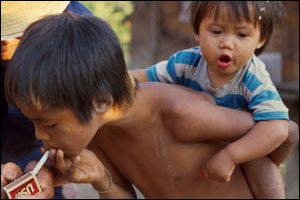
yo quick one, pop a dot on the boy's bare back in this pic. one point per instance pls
(161, 162)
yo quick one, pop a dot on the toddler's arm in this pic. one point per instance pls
(140, 74)
(286, 148)
(261, 140)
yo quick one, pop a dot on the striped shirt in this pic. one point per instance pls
(251, 89)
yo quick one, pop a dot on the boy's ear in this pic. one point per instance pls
(103, 107)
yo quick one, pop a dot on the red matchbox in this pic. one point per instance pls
(25, 185)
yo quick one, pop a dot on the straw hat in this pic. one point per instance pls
(17, 15)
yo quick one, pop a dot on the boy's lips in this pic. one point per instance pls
(69, 152)
(224, 61)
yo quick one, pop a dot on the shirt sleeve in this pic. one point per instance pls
(175, 69)
(162, 72)
(263, 98)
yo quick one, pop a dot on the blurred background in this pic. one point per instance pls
(151, 31)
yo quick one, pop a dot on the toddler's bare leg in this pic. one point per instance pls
(264, 175)
(264, 179)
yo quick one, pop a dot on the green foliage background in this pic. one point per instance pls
(116, 13)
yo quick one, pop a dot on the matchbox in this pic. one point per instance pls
(25, 185)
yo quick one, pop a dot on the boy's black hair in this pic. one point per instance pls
(267, 14)
(69, 61)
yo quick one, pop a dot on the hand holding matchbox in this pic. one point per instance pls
(27, 184)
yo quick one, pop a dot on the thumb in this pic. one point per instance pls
(11, 172)
(72, 175)
(75, 163)
(3, 183)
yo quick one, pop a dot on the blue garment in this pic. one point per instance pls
(77, 8)
(251, 89)
(18, 141)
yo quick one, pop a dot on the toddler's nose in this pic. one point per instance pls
(227, 43)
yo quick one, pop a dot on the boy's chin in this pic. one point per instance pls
(72, 154)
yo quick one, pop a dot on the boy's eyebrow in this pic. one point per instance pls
(40, 119)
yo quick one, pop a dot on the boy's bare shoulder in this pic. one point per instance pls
(180, 108)
(174, 101)
(173, 94)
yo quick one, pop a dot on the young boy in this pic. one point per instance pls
(225, 67)
(69, 77)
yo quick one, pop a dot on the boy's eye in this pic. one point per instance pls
(51, 126)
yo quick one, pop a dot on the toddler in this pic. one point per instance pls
(230, 35)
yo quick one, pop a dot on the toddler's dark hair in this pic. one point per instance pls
(267, 14)
(69, 61)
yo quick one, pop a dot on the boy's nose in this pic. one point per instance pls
(42, 135)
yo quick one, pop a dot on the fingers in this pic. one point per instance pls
(52, 157)
(30, 166)
(45, 178)
(57, 158)
(23, 197)
(215, 177)
(58, 161)
(72, 176)
(11, 172)
(3, 183)
(43, 150)
(75, 163)
(44, 175)
(2, 166)
(46, 194)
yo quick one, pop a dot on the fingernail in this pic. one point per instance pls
(43, 186)
(11, 174)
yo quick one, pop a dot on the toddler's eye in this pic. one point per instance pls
(216, 32)
(242, 35)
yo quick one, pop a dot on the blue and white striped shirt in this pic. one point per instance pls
(251, 89)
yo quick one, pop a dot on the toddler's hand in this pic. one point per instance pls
(85, 168)
(220, 167)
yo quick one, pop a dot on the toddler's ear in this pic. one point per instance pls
(103, 107)
(196, 37)
(261, 43)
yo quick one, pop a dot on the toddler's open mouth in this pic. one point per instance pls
(224, 61)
